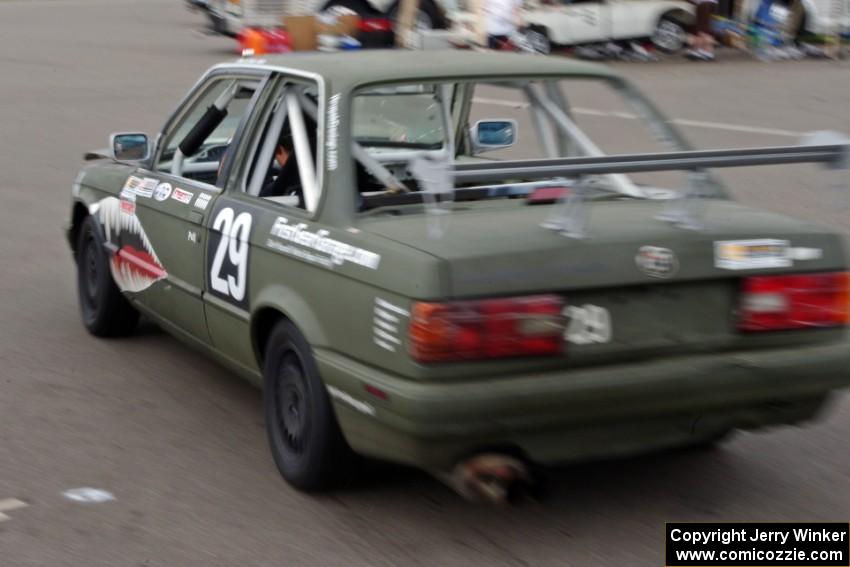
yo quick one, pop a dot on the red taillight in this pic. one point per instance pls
(492, 328)
(772, 303)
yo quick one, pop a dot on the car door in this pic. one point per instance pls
(172, 202)
(634, 18)
(240, 262)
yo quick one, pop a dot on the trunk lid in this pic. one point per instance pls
(634, 285)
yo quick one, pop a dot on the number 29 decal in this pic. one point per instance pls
(229, 249)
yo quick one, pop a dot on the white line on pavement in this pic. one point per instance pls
(8, 505)
(678, 121)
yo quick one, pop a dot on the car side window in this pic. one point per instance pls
(284, 167)
(196, 144)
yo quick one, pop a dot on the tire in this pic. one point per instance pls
(428, 16)
(106, 312)
(305, 440)
(670, 35)
(538, 38)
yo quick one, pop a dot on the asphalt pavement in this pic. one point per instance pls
(177, 442)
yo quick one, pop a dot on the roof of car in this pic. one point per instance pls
(354, 68)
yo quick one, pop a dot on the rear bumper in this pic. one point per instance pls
(583, 413)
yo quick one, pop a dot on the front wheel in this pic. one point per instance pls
(670, 35)
(306, 442)
(106, 312)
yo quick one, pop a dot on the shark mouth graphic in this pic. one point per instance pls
(135, 266)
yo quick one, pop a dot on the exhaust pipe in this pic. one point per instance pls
(493, 478)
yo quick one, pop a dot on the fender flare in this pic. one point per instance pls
(279, 301)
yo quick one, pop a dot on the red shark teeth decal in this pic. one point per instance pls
(139, 261)
(135, 266)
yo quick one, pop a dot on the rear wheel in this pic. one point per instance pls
(106, 312)
(305, 439)
(670, 35)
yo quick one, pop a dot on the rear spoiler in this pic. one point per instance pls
(827, 148)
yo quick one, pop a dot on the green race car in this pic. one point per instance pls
(448, 260)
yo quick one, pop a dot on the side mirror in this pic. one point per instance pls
(488, 135)
(129, 146)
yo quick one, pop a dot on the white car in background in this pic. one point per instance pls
(663, 22)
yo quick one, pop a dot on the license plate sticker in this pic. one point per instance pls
(752, 254)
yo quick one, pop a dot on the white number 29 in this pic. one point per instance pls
(588, 324)
(233, 243)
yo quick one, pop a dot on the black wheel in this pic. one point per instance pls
(670, 35)
(305, 439)
(428, 16)
(106, 312)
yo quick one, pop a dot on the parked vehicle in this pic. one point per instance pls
(663, 22)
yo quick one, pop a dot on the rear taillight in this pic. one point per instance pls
(773, 303)
(492, 328)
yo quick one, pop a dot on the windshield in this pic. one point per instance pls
(398, 119)
(464, 123)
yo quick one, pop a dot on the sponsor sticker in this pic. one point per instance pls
(162, 191)
(183, 196)
(127, 200)
(202, 201)
(317, 247)
(752, 254)
(657, 262)
(131, 185)
(146, 187)
(128, 207)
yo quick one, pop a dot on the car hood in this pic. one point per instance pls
(500, 248)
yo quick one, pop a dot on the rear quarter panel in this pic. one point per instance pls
(331, 302)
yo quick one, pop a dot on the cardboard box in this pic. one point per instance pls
(344, 25)
(305, 30)
(302, 32)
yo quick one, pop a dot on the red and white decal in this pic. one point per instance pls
(128, 204)
(183, 196)
(135, 265)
